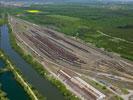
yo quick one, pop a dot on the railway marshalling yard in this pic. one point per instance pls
(73, 61)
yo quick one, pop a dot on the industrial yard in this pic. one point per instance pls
(74, 61)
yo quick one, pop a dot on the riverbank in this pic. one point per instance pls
(3, 95)
(34, 95)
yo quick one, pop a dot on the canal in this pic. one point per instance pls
(9, 85)
(37, 81)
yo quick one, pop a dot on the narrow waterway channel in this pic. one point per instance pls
(37, 81)
(11, 86)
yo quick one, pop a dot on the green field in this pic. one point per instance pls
(33, 11)
(1, 19)
(105, 26)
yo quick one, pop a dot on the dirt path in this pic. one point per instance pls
(114, 37)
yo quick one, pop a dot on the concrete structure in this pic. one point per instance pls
(86, 91)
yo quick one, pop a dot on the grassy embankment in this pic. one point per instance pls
(40, 69)
(2, 21)
(3, 95)
(104, 27)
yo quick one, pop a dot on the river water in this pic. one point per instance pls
(37, 81)
(11, 86)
